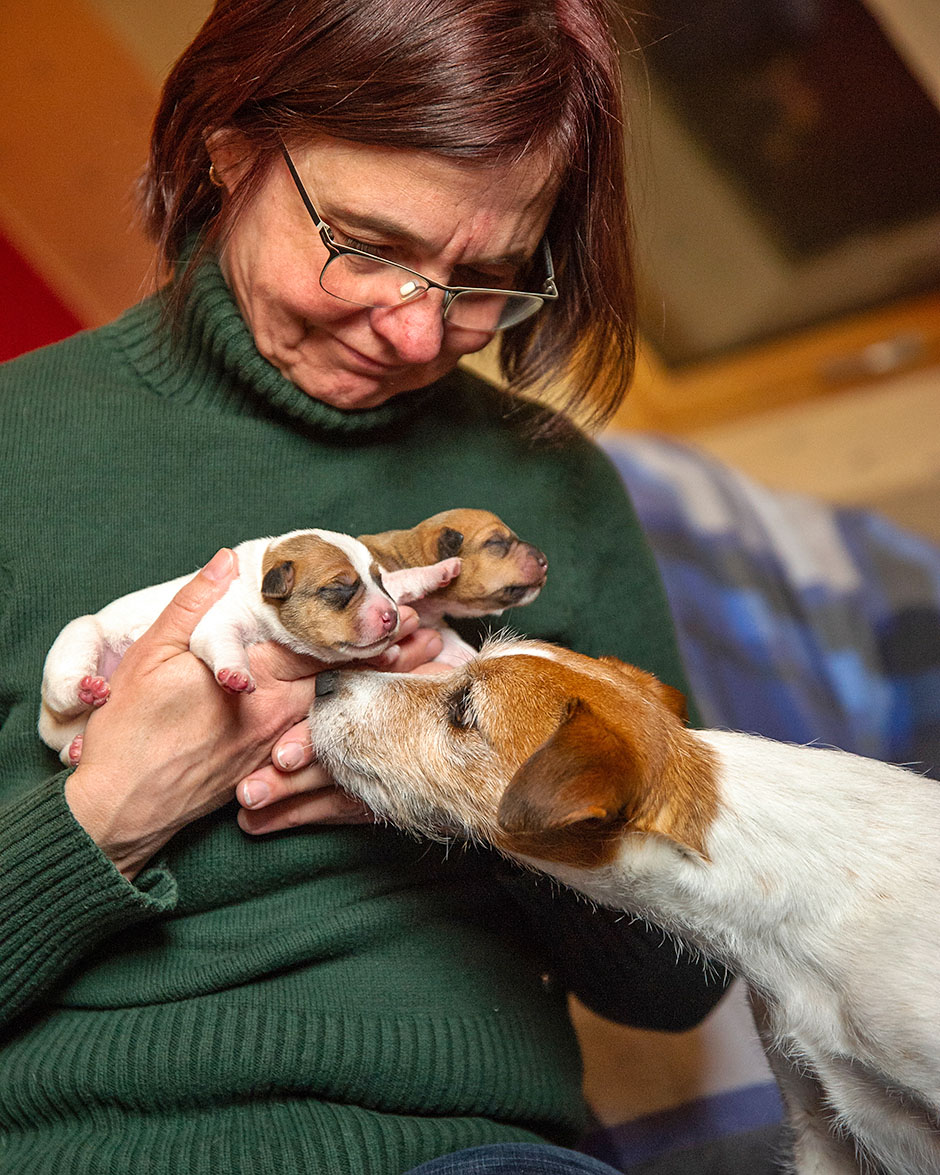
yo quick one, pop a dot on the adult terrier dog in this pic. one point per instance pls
(812, 873)
(318, 592)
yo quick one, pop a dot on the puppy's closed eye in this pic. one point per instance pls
(498, 544)
(339, 592)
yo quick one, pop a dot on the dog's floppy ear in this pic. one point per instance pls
(577, 775)
(673, 699)
(449, 542)
(570, 800)
(278, 582)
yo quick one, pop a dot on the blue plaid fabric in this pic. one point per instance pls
(797, 620)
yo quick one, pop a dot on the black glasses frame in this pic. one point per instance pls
(548, 293)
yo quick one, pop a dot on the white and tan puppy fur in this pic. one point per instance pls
(318, 592)
(812, 873)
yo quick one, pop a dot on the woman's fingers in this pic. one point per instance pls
(293, 789)
(294, 750)
(273, 799)
(267, 785)
(325, 804)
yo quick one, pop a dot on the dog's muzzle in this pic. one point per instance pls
(327, 682)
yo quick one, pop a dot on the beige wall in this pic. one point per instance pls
(154, 33)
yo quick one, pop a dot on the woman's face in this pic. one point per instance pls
(453, 223)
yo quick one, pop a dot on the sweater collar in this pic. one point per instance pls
(213, 358)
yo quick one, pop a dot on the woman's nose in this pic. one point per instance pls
(415, 329)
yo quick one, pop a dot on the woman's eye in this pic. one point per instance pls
(352, 243)
(475, 277)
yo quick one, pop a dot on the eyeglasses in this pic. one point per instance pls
(356, 276)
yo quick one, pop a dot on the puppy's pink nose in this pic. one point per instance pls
(388, 619)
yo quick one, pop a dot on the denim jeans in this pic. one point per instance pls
(514, 1158)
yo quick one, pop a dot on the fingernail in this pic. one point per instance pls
(254, 792)
(290, 756)
(220, 565)
(389, 657)
(409, 624)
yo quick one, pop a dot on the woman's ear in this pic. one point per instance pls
(231, 157)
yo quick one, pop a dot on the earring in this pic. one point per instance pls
(214, 177)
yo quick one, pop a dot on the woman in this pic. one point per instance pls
(334, 188)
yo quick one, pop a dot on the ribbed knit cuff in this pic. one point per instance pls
(60, 895)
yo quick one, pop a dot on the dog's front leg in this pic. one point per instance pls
(411, 584)
(816, 1149)
(221, 640)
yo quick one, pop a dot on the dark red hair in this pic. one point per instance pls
(486, 82)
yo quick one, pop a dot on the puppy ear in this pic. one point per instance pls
(449, 542)
(278, 582)
(580, 774)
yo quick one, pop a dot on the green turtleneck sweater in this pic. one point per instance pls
(329, 1000)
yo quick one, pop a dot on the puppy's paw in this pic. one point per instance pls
(447, 571)
(236, 681)
(414, 583)
(93, 691)
(75, 750)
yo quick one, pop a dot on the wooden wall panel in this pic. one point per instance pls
(830, 360)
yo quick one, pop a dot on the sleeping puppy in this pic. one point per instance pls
(812, 873)
(316, 591)
(498, 570)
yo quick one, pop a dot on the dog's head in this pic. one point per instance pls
(544, 753)
(498, 569)
(328, 594)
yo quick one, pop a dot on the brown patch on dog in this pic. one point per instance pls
(617, 760)
(670, 697)
(498, 569)
(449, 543)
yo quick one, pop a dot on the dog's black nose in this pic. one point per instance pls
(326, 682)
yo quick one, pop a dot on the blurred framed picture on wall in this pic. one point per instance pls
(786, 166)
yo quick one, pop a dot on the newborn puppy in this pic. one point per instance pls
(497, 569)
(811, 873)
(315, 591)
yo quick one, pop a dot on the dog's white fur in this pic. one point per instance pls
(812, 873)
(90, 647)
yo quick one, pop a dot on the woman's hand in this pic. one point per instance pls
(293, 789)
(171, 745)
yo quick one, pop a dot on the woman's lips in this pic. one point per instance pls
(365, 362)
